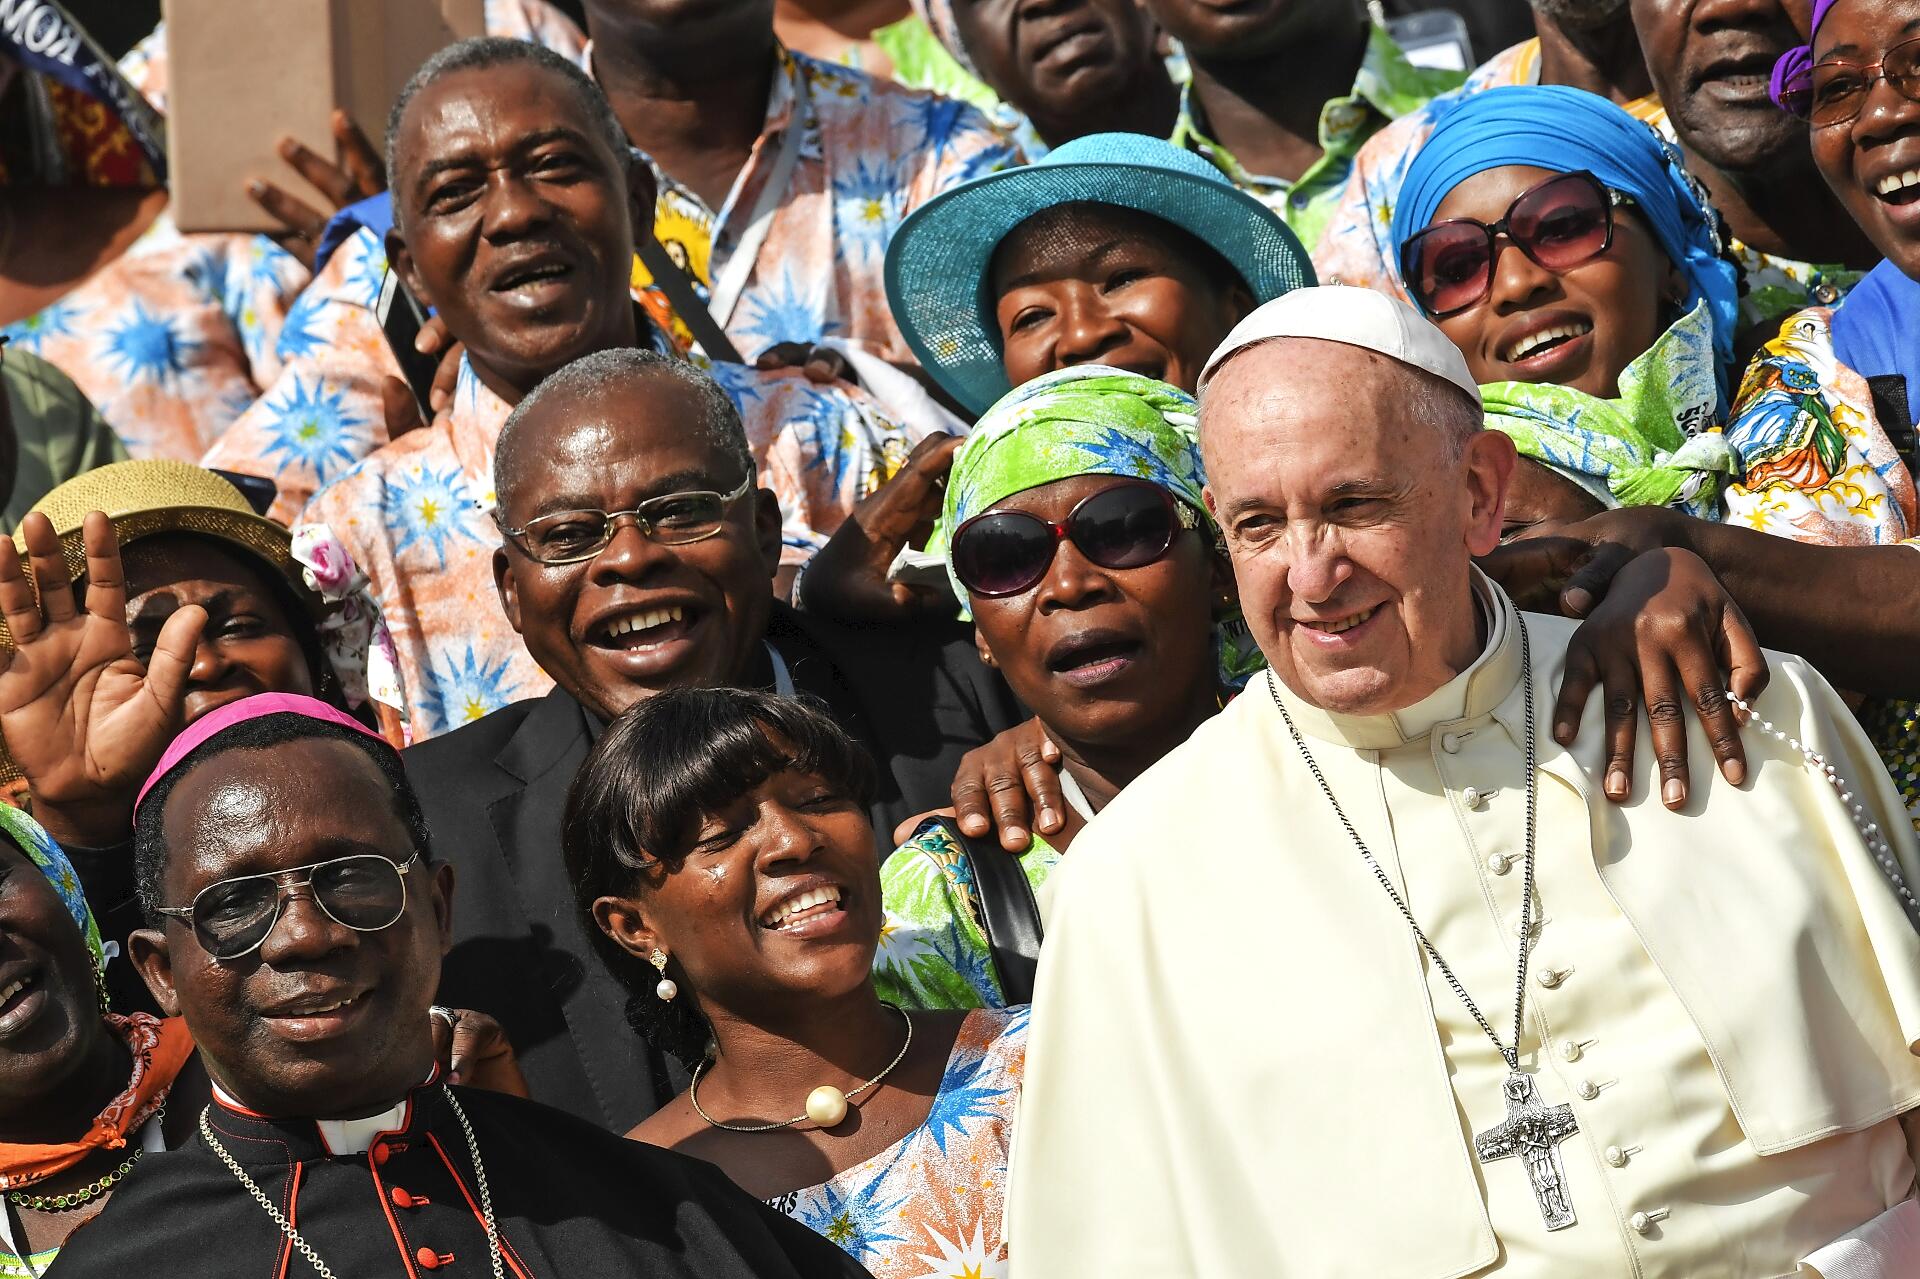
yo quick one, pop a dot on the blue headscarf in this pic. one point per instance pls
(1554, 127)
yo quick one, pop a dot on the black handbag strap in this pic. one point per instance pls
(1009, 915)
(685, 302)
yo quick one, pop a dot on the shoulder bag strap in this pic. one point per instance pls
(1009, 915)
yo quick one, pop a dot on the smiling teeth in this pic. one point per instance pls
(1898, 182)
(1534, 341)
(1340, 627)
(794, 905)
(644, 621)
(13, 989)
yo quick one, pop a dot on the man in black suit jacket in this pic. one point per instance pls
(675, 593)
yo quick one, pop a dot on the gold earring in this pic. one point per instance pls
(666, 989)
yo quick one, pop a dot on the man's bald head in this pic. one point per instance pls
(592, 381)
(1354, 492)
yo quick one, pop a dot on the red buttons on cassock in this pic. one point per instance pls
(381, 1154)
(428, 1259)
(404, 1199)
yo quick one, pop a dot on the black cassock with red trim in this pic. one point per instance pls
(569, 1198)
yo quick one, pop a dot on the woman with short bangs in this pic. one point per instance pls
(717, 840)
(1562, 247)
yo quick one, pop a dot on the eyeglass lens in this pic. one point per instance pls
(365, 893)
(1558, 224)
(1006, 552)
(1839, 89)
(672, 520)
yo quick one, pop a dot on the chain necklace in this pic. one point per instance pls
(1532, 1130)
(92, 1190)
(306, 1250)
(826, 1105)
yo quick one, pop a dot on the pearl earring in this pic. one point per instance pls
(666, 989)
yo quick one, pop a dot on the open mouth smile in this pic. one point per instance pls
(1548, 339)
(793, 913)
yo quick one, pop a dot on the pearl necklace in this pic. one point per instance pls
(306, 1250)
(1876, 839)
(826, 1105)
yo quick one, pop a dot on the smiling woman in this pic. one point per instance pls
(717, 840)
(1558, 242)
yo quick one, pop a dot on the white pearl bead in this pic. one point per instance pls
(666, 989)
(827, 1106)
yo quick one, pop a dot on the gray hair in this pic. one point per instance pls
(592, 377)
(485, 52)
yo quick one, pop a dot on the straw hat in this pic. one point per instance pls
(150, 498)
(144, 499)
(938, 260)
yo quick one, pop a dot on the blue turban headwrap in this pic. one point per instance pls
(1554, 127)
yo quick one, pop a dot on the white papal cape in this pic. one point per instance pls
(1241, 1063)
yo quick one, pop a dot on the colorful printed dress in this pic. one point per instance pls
(933, 952)
(932, 1204)
(1820, 468)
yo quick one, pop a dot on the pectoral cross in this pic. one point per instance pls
(1534, 1132)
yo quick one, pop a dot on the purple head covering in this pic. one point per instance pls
(1793, 74)
(213, 723)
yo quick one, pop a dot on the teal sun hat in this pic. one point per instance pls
(938, 262)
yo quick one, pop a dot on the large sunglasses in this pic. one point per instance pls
(233, 918)
(673, 519)
(1835, 92)
(1129, 525)
(1558, 224)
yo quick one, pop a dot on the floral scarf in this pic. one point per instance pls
(1655, 444)
(1089, 420)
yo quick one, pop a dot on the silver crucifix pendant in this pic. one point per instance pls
(1534, 1132)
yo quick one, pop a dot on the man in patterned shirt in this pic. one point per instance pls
(782, 178)
(519, 231)
(1285, 92)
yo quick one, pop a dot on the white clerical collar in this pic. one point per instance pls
(345, 1136)
(1474, 692)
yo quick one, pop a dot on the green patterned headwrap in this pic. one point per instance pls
(1656, 444)
(1089, 420)
(52, 861)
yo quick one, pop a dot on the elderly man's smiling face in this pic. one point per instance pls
(640, 615)
(1352, 512)
(518, 220)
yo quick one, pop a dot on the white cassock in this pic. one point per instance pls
(1242, 1064)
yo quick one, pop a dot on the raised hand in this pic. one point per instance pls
(83, 719)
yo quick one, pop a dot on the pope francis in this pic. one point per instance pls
(1369, 979)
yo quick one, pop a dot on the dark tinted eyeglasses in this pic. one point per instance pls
(672, 519)
(1558, 224)
(1129, 525)
(1836, 92)
(365, 892)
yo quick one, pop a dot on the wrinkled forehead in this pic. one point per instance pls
(628, 440)
(1861, 30)
(1280, 402)
(480, 115)
(254, 811)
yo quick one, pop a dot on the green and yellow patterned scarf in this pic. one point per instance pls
(1091, 420)
(1656, 444)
